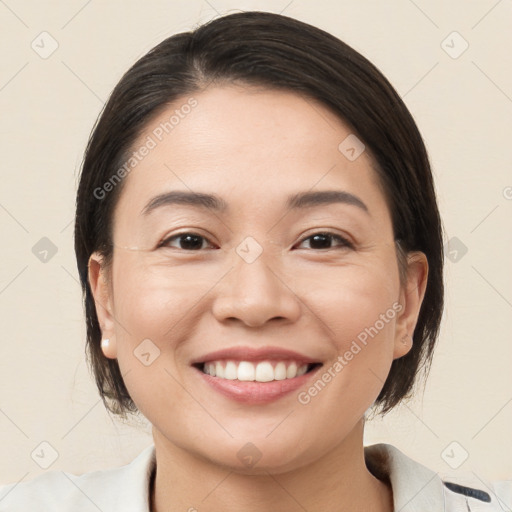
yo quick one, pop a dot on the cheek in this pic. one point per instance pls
(350, 301)
(151, 307)
(362, 330)
(152, 300)
(359, 317)
(156, 309)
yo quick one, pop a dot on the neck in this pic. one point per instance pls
(339, 480)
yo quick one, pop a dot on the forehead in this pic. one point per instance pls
(249, 144)
(264, 123)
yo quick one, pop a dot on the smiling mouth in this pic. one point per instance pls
(260, 371)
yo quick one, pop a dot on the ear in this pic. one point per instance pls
(411, 298)
(101, 291)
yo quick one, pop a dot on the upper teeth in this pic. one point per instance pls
(263, 371)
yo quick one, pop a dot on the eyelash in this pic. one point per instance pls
(334, 236)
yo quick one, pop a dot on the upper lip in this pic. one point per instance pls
(255, 354)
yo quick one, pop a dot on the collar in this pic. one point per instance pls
(415, 487)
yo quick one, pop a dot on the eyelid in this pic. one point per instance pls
(346, 242)
(344, 239)
(165, 241)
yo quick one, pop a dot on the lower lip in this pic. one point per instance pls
(252, 392)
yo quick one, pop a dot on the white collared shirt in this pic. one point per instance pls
(126, 489)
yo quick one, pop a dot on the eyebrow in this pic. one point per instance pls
(207, 201)
(309, 199)
(217, 204)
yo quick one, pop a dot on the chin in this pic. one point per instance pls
(260, 455)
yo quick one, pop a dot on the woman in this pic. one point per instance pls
(260, 249)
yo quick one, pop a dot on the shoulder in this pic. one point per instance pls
(416, 487)
(124, 488)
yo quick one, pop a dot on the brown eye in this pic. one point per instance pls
(186, 241)
(324, 241)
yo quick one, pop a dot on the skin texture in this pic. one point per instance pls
(255, 147)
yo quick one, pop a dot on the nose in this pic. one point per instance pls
(254, 293)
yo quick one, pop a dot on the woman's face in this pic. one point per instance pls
(291, 267)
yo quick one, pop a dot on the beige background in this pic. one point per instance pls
(463, 107)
